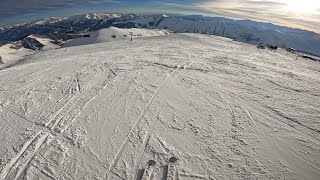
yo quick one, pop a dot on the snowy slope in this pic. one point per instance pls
(240, 30)
(12, 52)
(224, 109)
(9, 54)
(47, 42)
(113, 34)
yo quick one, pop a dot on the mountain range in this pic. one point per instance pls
(239, 30)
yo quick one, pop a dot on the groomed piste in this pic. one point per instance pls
(222, 109)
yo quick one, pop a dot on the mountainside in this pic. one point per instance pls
(12, 52)
(240, 30)
(114, 34)
(222, 109)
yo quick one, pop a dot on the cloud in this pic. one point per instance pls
(304, 14)
(9, 8)
(281, 12)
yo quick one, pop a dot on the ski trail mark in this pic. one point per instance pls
(78, 96)
(122, 147)
(37, 146)
(5, 171)
(142, 150)
(1, 105)
(35, 143)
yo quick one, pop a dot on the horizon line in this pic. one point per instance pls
(21, 22)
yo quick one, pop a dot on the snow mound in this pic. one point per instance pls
(114, 34)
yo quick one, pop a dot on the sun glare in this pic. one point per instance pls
(302, 6)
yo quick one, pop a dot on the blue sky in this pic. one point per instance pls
(304, 14)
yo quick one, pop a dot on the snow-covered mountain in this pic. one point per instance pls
(11, 52)
(240, 30)
(114, 34)
(14, 51)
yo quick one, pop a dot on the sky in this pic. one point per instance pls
(303, 14)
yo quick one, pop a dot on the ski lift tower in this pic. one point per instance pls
(131, 34)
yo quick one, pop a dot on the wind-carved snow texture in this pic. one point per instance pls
(103, 111)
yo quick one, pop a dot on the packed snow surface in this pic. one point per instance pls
(224, 109)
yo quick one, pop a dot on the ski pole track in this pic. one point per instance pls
(63, 107)
(53, 165)
(41, 77)
(190, 175)
(37, 145)
(141, 152)
(8, 168)
(19, 115)
(77, 97)
(84, 89)
(275, 119)
(249, 115)
(144, 142)
(123, 146)
(84, 154)
(41, 74)
(269, 113)
(237, 97)
(78, 114)
(10, 127)
(118, 125)
(140, 156)
(279, 145)
(310, 163)
(45, 75)
(38, 79)
(202, 156)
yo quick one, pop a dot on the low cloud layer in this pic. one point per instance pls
(294, 13)
(9, 8)
(304, 14)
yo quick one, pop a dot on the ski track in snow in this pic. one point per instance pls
(102, 111)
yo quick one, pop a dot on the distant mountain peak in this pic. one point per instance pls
(240, 30)
(164, 15)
